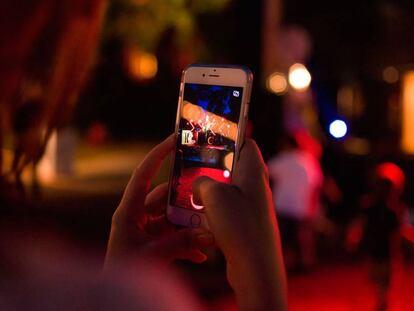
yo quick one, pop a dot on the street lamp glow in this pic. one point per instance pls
(141, 65)
(299, 77)
(277, 83)
(407, 139)
(338, 129)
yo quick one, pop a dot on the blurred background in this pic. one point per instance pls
(338, 76)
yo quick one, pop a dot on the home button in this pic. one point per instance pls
(195, 220)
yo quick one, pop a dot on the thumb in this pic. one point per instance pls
(183, 244)
(205, 189)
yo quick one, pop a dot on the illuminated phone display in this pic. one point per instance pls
(206, 141)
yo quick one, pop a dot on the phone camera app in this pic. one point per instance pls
(207, 136)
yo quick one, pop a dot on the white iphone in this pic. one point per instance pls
(211, 119)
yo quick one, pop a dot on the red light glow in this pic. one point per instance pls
(393, 173)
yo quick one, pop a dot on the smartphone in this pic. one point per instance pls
(211, 118)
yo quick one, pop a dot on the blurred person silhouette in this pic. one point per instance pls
(378, 229)
(46, 51)
(296, 178)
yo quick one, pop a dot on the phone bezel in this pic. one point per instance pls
(224, 75)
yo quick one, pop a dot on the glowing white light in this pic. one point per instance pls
(338, 128)
(299, 77)
(226, 174)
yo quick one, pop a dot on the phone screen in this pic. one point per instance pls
(206, 138)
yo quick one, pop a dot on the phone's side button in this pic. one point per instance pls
(195, 221)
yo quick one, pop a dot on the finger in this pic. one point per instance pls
(250, 168)
(180, 243)
(200, 188)
(156, 200)
(194, 255)
(206, 190)
(139, 183)
(149, 166)
(159, 226)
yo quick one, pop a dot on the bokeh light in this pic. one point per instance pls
(299, 77)
(277, 83)
(141, 65)
(390, 74)
(408, 113)
(338, 129)
(226, 173)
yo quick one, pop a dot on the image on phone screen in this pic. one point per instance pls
(206, 138)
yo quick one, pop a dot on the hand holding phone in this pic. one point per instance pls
(211, 118)
(139, 227)
(242, 219)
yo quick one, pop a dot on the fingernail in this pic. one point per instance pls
(205, 239)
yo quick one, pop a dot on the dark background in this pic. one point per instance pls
(352, 41)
